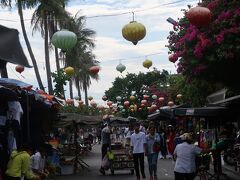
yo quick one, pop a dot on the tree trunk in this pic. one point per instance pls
(3, 69)
(71, 88)
(34, 62)
(85, 91)
(78, 89)
(57, 59)
(48, 68)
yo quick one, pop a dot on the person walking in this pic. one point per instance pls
(106, 143)
(185, 155)
(153, 148)
(138, 144)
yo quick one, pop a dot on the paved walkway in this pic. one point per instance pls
(165, 170)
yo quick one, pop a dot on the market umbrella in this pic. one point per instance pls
(10, 47)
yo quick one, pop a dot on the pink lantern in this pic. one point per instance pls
(144, 101)
(70, 101)
(126, 103)
(100, 107)
(109, 103)
(154, 107)
(93, 103)
(161, 99)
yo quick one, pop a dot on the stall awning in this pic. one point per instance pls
(201, 111)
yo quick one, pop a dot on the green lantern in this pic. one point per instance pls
(64, 39)
(120, 67)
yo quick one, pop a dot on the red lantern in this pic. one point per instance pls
(126, 103)
(145, 96)
(19, 69)
(94, 69)
(109, 103)
(144, 101)
(172, 58)
(104, 98)
(199, 16)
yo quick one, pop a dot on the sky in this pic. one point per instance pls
(110, 45)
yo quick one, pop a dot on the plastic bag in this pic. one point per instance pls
(105, 163)
(156, 147)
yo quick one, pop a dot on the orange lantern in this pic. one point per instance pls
(94, 69)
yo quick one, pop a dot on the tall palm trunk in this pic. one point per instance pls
(48, 68)
(78, 89)
(85, 90)
(29, 46)
(71, 88)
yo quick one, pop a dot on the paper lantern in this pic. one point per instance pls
(179, 96)
(170, 103)
(90, 98)
(77, 98)
(70, 101)
(94, 69)
(80, 102)
(118, 98)
(104, 98)
(143, 105)
(161, 99)
(154, 96)
(19, 69)
(132, 98)
(120, 67)
(126, 103)
(120, 107)
(93, 104)
(64, 39)
(69, 71)
(109, 103)
(144, 101)
(199, 16)
(131, 107)
(146, 97)
(172, 58)
(123, 110)
(134, 32)
(147, 63)
(154, 107)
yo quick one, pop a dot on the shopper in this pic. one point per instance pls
(106, 143)
(19, 165)
(153, 148)
(185, 155)
(138, 143)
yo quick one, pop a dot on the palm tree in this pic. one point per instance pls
(46, 12)
(81, 57)
(23, 4)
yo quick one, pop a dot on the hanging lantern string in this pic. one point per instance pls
(135, 57)
(117, 14)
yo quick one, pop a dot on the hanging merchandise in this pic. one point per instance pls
(147, 63)
(134, 31)
(120, 67)
(199, 16)
(69, 71)
(64, 39)
(94, 69)
(19, 69)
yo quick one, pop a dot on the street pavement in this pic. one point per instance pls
(165, 170)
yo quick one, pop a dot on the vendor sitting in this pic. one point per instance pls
(37, 163)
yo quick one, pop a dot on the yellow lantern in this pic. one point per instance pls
(90, 98)
(132, 98)
(134, 31)
(69, 70)
(147, 63)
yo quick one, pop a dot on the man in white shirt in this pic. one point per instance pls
(138, 143)
(185, 155)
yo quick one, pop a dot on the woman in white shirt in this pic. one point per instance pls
(185, 154)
